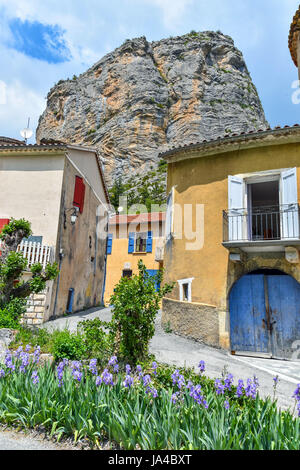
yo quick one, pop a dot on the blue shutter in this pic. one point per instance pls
(149, 242)
(109, 244)
(131, 243)
(152, 273)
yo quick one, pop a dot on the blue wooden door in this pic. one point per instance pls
(247, 315)
(265, 315)
(284, 304)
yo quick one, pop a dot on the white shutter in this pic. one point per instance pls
(236, 216)
(169, 214)
(289, 200)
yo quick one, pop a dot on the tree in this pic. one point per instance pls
(136, 302)
(116, 192)
(13, 290)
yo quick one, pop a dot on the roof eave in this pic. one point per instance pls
(231, 144)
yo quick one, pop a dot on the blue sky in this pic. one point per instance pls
(43, 42)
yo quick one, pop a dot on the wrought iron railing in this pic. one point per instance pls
(261, 224)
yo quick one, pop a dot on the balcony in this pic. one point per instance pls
(267, 228)
(36, 253)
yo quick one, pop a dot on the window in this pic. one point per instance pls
(140, 242)
(127, 273)
(185, 290)
(263, 206)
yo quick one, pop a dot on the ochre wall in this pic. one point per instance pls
(205, 181)
(120, 256)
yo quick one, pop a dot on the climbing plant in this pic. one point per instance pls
(14, 291)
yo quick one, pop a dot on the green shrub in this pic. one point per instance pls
(136, 302)
(38, 337)
(11, 314)
(67, 345)
(12, 265)
(98, 343)
(14, 226)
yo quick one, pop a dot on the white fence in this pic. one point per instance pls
(36, 253)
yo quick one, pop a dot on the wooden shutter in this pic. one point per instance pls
(149, 243)
(289, 199)
(79, 193)
(131, 243)
(170, 214)
(235, 205)
(3, 222)
(109, 244)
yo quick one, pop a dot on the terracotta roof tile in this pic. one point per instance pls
(232, 138)
(138, 218)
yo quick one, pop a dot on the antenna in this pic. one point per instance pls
(27, 132)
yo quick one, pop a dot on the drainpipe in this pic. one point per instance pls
(58, 279)
(105, 268)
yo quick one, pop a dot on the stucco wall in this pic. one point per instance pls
(120, 259)
(83, 262)
(205, 181)
(86, 162)
(30, 188)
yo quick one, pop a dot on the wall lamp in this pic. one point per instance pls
(74, 215)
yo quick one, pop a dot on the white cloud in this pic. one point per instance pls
(172, 10)
(95, 27)
(20, 103)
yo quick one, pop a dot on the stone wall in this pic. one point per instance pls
(196, 321)
(37, 311)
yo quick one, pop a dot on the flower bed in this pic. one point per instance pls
(150, 407)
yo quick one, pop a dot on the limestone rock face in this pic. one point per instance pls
(144, 97)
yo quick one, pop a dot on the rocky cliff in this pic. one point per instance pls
(144, 96)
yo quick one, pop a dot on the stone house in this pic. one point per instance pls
(61, 190)
(131, 238)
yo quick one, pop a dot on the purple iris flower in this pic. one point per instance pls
(35, 377)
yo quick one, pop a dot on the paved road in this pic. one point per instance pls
(10, 440)
(175, 350)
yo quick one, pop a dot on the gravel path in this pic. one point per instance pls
(11, 440)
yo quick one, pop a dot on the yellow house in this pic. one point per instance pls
(132, 238)
(233, 239)
(232, 242)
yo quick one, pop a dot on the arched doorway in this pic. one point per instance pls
(265, 314)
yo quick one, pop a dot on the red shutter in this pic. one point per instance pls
(3, 222)
(79, 193)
